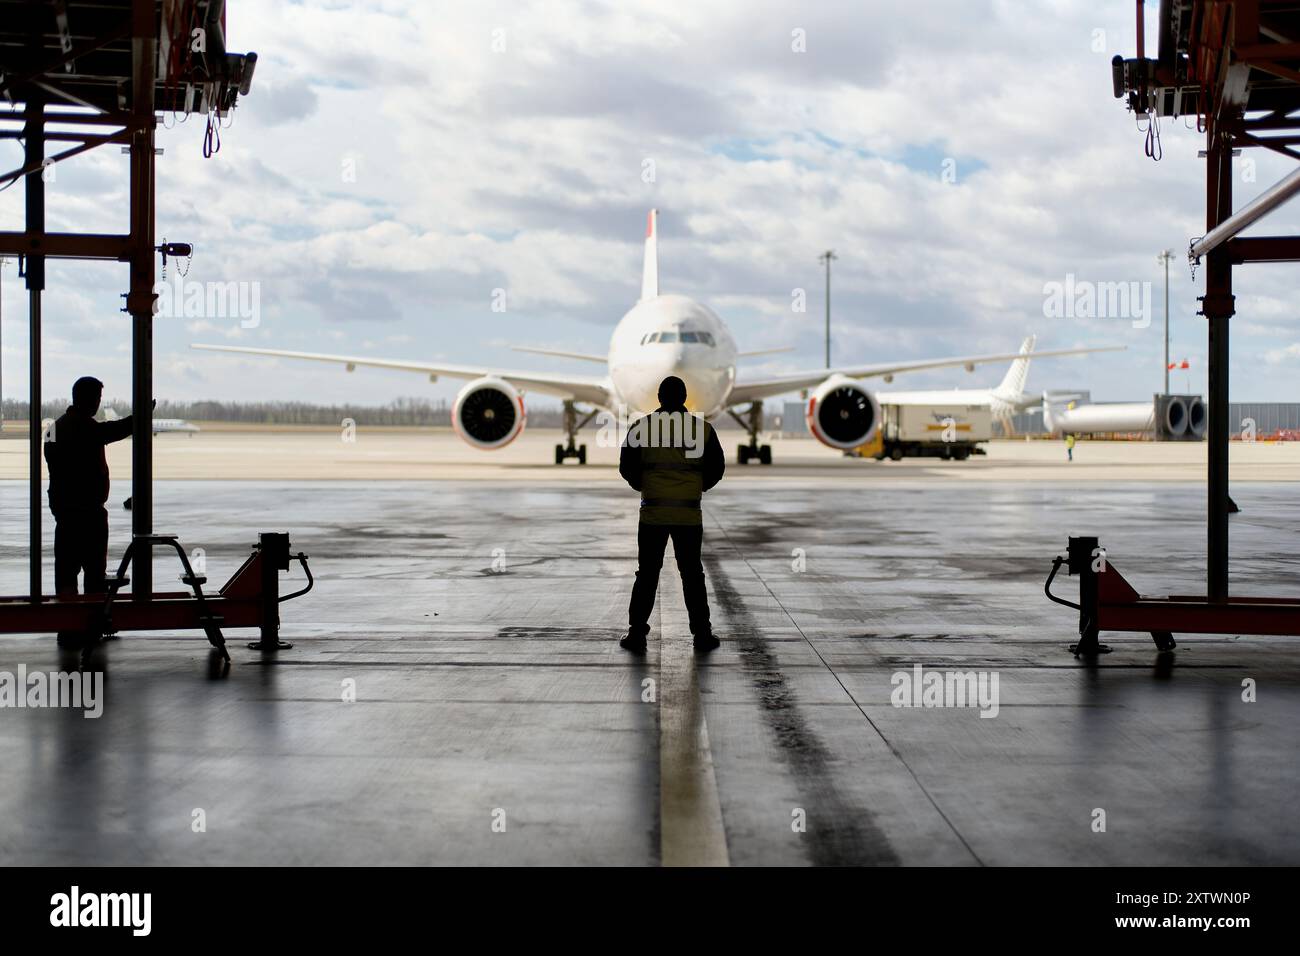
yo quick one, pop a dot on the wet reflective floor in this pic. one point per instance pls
(456, 693)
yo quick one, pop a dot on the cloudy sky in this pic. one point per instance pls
(397, 162)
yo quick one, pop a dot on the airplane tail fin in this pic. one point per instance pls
(1013, 383)
(650, 271)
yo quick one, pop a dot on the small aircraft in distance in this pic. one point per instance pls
(160, 425)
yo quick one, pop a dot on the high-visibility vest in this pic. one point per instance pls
(672, 482)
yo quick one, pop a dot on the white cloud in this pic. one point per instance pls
(390, 170)
(1284, 356)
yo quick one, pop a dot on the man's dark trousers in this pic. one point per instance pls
(651, 539)
(80, 547)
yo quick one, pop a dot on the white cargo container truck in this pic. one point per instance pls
(934, 431)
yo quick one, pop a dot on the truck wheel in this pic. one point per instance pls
(895, 454)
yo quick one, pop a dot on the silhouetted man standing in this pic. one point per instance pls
(672, 457)
(74, 452)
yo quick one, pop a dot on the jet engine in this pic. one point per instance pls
(489, 413)
(842, 413)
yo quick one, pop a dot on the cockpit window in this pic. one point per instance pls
(701, 338)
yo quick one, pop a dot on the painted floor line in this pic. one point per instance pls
(691, 831)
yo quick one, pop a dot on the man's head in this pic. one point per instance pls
(86, 393)
(672, 393)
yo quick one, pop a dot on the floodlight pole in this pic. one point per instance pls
(827, 257)
(1165, 257)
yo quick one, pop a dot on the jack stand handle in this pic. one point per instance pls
(301, 559)
(1047, 586)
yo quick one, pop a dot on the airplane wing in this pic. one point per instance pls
(561, 353)
(751, 390)
(581, 388)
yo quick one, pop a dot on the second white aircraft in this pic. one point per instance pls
(661, 335)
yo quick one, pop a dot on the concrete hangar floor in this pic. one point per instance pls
(456, 693)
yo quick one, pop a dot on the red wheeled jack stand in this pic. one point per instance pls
(251, 598)
(1107, 602)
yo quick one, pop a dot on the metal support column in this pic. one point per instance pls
(1085, 555)
(1217, 306)
(274, 550)
(34, 139)
(140, 298)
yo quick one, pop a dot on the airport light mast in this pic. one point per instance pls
(826, 257)
(1165, 257)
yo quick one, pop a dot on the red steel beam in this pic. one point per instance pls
(77, 51)
(66, 245)
(1264, 249)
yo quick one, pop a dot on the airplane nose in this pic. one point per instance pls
(696, 390)
(673, 360)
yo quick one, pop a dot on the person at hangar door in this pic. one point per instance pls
(78, 467)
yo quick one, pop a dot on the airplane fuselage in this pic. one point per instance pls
(161, 425)
(1002, 406)
(672, 335)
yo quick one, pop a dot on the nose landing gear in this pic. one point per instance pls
(571, 428)
(570, 451)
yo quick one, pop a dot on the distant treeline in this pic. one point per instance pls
(401, 411)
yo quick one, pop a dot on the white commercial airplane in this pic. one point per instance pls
(1004, 401)
(661, 335)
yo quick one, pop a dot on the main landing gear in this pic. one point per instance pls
(571, 428)
(753, 424)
